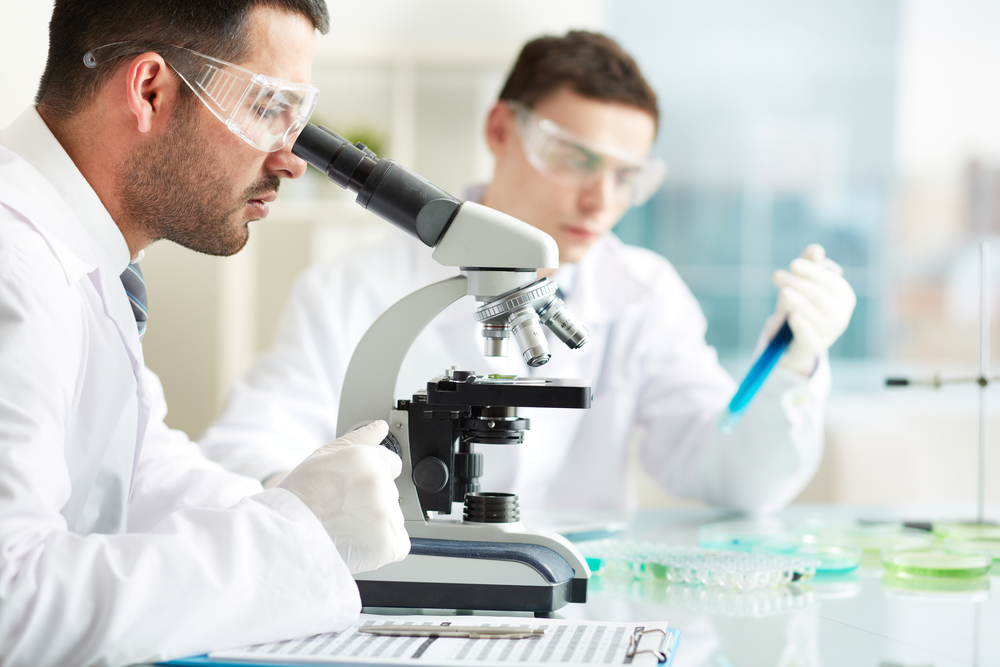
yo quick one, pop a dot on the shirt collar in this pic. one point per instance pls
(32, 140)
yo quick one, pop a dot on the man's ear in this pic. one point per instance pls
(500, 129)
(150, 90)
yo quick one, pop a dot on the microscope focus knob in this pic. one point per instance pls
(430, 474)
(390, 443)
(489, 507)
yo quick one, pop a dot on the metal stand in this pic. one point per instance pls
(984, 369)
(983, 379)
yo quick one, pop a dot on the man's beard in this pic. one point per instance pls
(175, 189)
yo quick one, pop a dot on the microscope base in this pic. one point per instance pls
(466, 597)
(475, 575)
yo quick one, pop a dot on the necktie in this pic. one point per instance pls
(135, 287)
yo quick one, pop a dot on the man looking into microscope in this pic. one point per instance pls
(119, 541)
(571, 134)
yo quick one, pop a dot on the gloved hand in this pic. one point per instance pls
(348, 485)
(818, 303)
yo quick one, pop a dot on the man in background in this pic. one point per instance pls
(119, 541)
(571, 134)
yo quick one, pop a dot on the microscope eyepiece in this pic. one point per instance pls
(384, 187)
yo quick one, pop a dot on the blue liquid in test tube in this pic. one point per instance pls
(755, 378)
(762, 368)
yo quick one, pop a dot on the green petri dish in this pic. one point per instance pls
(871, 538)
(972, 589)
(966, 530)
(936, 562)
(990, 545)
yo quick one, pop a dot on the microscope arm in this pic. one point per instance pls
(370, 382)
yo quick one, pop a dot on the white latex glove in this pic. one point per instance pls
(348, 485)
(818, 303)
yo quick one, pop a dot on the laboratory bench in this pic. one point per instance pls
(859, 618)
(854, 619)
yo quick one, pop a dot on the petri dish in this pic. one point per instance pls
(742, 535)
(870, 537)
(966, 530)
(830, 558)
(833, 559)
(972, 589)
(990, 545)
(836, 585)
(936, 562)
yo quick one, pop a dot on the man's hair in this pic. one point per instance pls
(212, 27)
(588, 63)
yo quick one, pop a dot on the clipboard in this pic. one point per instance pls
(565, 643)
(653, 647)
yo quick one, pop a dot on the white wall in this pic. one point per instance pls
(949, 91)
(24, 40)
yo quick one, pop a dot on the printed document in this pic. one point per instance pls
(563, 642)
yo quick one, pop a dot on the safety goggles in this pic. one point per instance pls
(265, 112)
(577, 161)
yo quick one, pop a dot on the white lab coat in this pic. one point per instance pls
(653, 378)
(119, 541)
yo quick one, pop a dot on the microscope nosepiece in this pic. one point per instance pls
(523, 311)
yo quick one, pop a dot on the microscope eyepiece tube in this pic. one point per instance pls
(384, 187)
(318, 146)
(530, 337)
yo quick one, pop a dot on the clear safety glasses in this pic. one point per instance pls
(265, 112)
(577, 161)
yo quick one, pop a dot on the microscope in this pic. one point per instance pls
(484, 559)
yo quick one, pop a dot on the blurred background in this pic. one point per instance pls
(872, 128)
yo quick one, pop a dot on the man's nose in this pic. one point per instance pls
(283, 164)
(599, 193)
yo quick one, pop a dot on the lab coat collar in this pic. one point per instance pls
(100, 241)
(41, 183)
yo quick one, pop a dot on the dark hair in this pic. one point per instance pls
(212, 27)
(590, 64)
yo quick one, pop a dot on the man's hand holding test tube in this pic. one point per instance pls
(815, 304)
